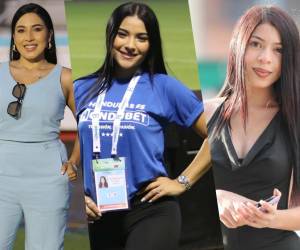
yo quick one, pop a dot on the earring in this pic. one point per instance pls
(14, 48)
(49, 45)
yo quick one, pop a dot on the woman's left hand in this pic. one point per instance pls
(265, 216)
(70, 169)
(162, 186)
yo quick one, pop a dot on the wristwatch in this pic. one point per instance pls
(182, 179)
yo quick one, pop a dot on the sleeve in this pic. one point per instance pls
(81, 88)
(180, 104)
(77, 95)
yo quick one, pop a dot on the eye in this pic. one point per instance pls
(279, 50)
(121, 34)
(20, 30)
(142, 38)
(38, 29)
(255, 44)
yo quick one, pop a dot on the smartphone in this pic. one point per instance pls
(273, 200)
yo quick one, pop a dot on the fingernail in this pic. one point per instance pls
(150, 201)
(143, 199)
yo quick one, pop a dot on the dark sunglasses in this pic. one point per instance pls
(14, 108)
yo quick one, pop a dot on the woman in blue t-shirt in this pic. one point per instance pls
(124, 125)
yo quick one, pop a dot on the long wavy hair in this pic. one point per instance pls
(50, 54)
(286, 88)
(152, 64)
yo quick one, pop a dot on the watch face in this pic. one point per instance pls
(182, 179)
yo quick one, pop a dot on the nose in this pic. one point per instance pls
(130, 45)
(29, 35)
(265, 55)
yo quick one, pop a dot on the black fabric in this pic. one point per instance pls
(200, 221)
(267, 166)
(146, 226)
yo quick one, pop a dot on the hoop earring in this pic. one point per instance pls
(49, 45)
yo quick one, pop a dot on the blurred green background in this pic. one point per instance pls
(86, 28)
(73, 241)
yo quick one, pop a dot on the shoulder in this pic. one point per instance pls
(211, 105)
(66, 79)
(66, 76)
(83, 84)
(168, 84)
(165, 79)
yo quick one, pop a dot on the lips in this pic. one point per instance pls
(127, 55)
(30, 47)
(262, 73)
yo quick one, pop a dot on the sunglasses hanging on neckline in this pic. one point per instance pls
(14, 108)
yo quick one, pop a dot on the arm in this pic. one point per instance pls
(67, 86)
(202, 161)
(163, 186)
(199, 166)
(288, 219)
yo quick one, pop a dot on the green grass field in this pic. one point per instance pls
(73, 241)
(86, 27)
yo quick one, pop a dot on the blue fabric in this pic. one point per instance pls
(141, 141)
(32, 187)
(42, 109)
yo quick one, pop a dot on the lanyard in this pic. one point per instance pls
(117, 122)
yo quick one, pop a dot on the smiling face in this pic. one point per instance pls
(263, 57)
(130, 46)
(31, 37)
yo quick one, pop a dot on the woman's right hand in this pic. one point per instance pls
(91, 209)
(233, 211)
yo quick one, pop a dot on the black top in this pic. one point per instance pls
(266, 166)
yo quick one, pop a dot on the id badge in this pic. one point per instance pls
(110, 183)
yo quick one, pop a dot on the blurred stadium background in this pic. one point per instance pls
(213, 22)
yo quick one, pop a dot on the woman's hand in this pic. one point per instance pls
(162, 186)
(264, 216)
(91, 209)
(71, 170)
(233, 211)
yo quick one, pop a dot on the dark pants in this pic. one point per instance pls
(147, 226)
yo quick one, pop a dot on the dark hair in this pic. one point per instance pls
(50, 54)
(153, 63)
(286, 88)
(102, 185)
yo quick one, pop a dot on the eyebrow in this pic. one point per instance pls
(35, 25)
(259, 38)
(141, 33)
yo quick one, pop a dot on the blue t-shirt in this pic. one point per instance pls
(152, 106)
